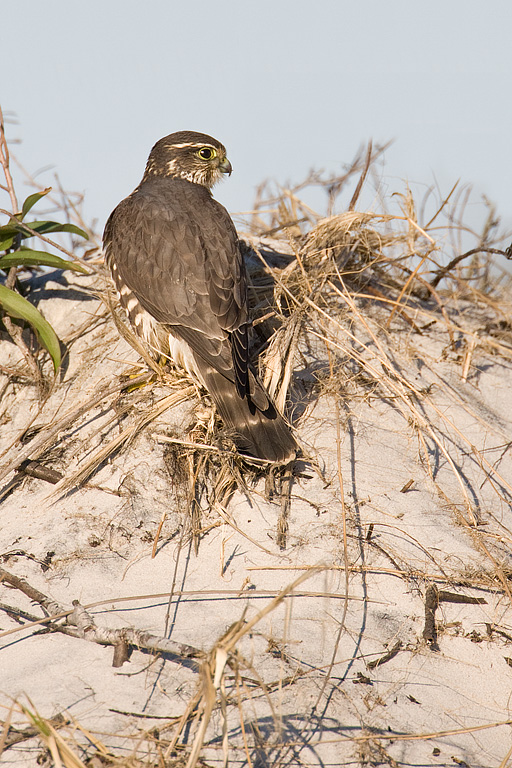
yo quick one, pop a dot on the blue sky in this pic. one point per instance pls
(286, 86)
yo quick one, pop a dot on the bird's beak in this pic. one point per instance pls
(225, 166)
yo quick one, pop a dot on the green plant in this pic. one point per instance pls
(15, 255)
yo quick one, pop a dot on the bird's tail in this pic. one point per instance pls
(259, 429)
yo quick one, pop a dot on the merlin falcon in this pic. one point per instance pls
(174, 255)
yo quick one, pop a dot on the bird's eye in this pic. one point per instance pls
(206, 153)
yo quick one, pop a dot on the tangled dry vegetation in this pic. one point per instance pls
(354, 313)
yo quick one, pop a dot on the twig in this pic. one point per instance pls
(40, 471)
(386, 657)
(81, 624)
(49, 605)
(431, 605)
(434, 596)
(18, 735)
(451, 597)
(453, 263)
(4, 160)
(362, 178)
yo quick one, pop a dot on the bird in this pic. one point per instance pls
(175, 259)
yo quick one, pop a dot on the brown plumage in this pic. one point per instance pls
(174, 255)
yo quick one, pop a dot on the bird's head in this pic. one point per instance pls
(188, 155)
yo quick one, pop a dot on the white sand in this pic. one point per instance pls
(101, 535)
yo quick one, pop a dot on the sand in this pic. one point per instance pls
(398, 492)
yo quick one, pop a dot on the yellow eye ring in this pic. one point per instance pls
(207, 153)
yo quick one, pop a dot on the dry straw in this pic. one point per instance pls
(341, 290)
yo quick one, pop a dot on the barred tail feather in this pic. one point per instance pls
(261, 433)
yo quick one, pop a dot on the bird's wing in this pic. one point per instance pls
(176, 249)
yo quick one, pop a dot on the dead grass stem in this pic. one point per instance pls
(356, 293)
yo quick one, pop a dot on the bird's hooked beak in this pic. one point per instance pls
(225, 166)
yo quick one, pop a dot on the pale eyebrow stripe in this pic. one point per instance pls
(192, 144)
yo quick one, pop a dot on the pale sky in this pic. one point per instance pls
(286, 85)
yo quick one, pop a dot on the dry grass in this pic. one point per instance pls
(353, 294)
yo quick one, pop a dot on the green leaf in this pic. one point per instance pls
(42, 227)
(32, 200)
(9, 231)
(26, 257)
(6, 241)
(7, 234)
(16, 306)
